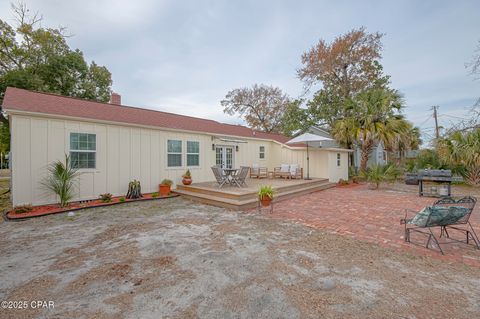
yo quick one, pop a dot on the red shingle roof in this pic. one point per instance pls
(46, 103)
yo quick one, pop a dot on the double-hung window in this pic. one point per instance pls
(261, 153)
(83, 150)
(193, 153)
(174, 153)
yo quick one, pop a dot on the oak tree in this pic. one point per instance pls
(261, 106)
(37, 58)
(347, 66)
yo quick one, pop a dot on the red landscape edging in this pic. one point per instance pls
(44, 210)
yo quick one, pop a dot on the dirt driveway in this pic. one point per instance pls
(175, 259)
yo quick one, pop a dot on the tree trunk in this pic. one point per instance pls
(366, 149)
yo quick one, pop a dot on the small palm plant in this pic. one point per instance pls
(377, 174)
(60, 180)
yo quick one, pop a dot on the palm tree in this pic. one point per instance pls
(406, 142)
(377, 119)
(61, 180)
(462, 148)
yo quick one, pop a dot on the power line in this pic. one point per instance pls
(424, 122)
(453, 116)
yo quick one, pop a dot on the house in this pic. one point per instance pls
(378, 155)
(112, 144)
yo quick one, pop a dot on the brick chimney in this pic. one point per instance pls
(115, 98)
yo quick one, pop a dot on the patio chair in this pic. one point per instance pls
(296, 171)
(258, 172)
(446, 213)
(220, 176)
(282, 171)
(239, 178)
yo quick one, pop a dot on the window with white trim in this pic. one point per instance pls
(261, 153)
(83, 150)
(174, 153)
(193, 153)
(339, 159)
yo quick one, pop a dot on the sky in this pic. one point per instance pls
(184, 56)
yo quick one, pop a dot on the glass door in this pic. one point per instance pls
(224, 156)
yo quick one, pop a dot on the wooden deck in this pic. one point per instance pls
(244, 198)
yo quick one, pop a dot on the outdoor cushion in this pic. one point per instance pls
(293, 169)
(439, 216)
(284, 168)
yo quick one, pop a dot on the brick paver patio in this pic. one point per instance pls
(373, 216)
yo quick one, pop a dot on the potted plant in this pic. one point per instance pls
(187, 178)
(265, 195)
(165, 186)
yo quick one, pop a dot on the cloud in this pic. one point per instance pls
(184, 56)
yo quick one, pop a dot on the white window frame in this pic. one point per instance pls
(181, 154)
(187, 153)
(82, 151)
(260, 152)
(339, 160)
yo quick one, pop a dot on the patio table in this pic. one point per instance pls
(230, 172)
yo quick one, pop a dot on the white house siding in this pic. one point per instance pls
(322, 161)
(124, 153)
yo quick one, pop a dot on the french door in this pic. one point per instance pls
(224, 156)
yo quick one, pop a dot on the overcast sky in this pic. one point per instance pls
(183, 56)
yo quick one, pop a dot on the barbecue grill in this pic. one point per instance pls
(441, 177)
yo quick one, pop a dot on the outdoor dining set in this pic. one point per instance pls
(231, 176)
(237, 177)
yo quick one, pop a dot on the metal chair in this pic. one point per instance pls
(239, 178)
(447, 223)
(220, 176)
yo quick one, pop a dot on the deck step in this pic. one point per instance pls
(245, 194)
(243, 203)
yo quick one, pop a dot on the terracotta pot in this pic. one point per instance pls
(164, 190)
(186, 181)
(265, 201)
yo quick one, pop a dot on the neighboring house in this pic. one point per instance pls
(409, 154)
(322, 132)
(113, 144)
(378, 155)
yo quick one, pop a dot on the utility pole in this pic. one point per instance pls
(437, 133)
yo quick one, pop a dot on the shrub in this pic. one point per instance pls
(265, 191)
(121, 199)
(106, 198)
(461, 150)
(23, 209)
(352, 172)
(167, 182)
(426, 159)
(376, 174)
(60, 180)
(342, 182)
(154, 195)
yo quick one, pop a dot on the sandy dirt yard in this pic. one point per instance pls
(176, 259)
